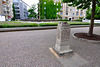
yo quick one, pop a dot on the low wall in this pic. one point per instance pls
(2, 18)
(95, 21)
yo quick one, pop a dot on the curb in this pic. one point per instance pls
(85, 40)
(37, 28)
(25, 29)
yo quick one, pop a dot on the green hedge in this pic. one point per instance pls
(79, 20)
(56, 23)
(79, 23)
(49, 24)
(63, 20)
(23, 25)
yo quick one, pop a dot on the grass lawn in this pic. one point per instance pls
(10, 24)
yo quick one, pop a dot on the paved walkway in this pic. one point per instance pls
(31, 49)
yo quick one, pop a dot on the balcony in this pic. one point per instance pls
(5, 9)
(4, 5)
(7, 2)
(4, 0)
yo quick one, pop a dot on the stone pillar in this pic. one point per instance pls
(62, 45)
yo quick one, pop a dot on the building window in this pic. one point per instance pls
(60, 17)
(44, 2)
(77, 9)
(17, 11)
(61, 13)
(81, 14)
(66, 9)
(57, 8)
(54, 3)
(61, 9)
(81, 10)
(66, 13)
(70, 9)
(44, 7)
(73, 14)
(77, 14)
(16, 7)
(73, 9)
(76, 18)
(72, 17)
(70, 14)
(61, 4)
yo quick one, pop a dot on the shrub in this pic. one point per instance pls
(71, 23)
(63, 20)
(79, 20)
(49, 24)
(78, 23)
(22, 25)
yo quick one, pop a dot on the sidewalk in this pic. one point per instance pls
(31, 48)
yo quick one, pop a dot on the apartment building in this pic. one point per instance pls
(6, 9)
(69, 12)
(20, 9)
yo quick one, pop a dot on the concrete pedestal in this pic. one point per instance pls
(62, 45)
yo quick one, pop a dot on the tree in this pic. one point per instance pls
(49, 9)
(83, 4)
(14, 15)
(97, 13)
(32, 13)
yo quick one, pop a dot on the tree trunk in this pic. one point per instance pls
(92, 18)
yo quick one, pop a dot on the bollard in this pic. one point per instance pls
(62, 45)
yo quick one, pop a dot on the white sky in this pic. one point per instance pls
(31, 2)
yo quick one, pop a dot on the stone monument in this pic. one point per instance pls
(62, 45)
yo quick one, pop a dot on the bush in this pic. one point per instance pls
(78, 23)
(56, 23)
(63, 20)
(49, 24)
(79, 20)
(22, 25)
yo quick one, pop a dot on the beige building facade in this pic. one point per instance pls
(6, 9)
(70, 13)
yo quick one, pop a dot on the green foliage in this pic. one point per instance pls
(49, 24)
(56, 23)
(97, 13)
(80, 20)
(83, 4)
(16, 24)
(88, 14)
(63, 20)
(14, 15)
(49, 9)
(32, 13)
(10, 26)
